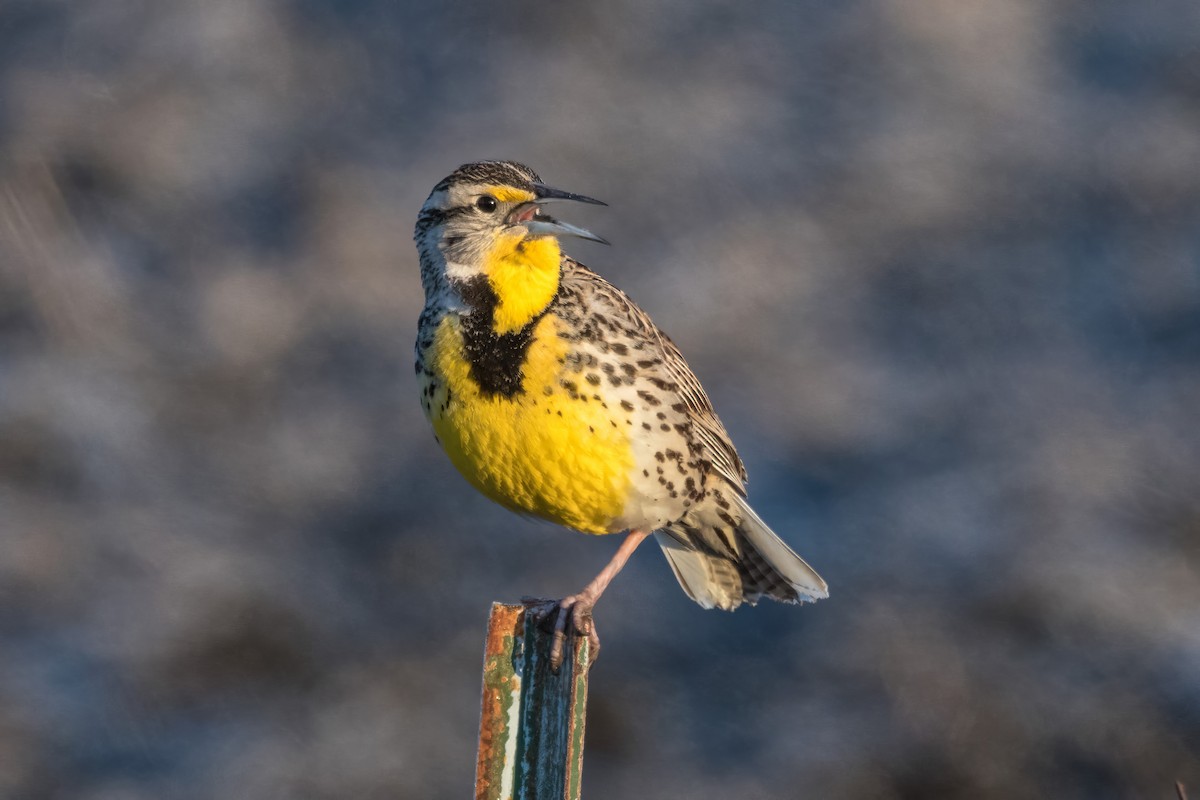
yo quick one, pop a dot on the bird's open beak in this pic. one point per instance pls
(539, 223)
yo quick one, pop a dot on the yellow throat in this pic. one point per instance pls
(523, 273)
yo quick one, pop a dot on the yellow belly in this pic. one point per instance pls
(559, 458)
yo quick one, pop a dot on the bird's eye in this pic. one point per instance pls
(486, 203)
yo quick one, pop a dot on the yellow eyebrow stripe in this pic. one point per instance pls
(507, 194)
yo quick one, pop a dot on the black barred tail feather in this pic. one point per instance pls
(719, 570)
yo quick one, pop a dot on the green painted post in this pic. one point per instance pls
(531, 726)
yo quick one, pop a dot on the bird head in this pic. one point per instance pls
(487, 221)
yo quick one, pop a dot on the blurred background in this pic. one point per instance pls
(937, 263)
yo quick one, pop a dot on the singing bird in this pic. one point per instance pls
(555, 395)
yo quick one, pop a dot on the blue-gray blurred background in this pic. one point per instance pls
(937, 262)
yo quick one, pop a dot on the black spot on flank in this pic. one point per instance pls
(647, 364)
(661, 415)
(665, 427)
(659, 457)
(608, 368)
(569, 386)
(620, 349)
(593, 379)
(679, 408)
(591, 429)
(646, 425)
(649, 399)
(417, 367)
(615, 380)
(628, 369)
(628, 406)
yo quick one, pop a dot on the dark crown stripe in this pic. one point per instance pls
(508, 173)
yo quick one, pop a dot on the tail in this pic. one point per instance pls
(723, 559)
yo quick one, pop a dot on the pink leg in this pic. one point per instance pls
(579, 606)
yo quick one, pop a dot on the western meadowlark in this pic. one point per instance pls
(555, 395)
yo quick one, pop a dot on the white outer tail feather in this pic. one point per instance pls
(714, 582)
(794, 569)
(692, 570)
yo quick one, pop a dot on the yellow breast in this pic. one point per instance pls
(548, 454)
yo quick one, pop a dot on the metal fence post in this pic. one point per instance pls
(532, 722)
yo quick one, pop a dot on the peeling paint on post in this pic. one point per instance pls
(501, 703)
(532, 724)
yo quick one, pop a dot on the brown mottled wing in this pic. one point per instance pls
(708, 427)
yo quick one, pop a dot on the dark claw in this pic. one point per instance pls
(556, 651)
(560, 637)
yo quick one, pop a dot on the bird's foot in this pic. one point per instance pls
(575, 610)
(578, 609)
